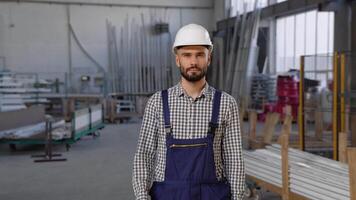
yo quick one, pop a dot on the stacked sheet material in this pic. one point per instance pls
(37, 131)
(310, 175)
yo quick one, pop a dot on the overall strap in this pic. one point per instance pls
(215, 113)
(166, 113)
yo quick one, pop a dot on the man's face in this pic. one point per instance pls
(193, 62)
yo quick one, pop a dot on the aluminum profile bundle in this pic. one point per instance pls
(17, 89)
(235, 56)
(27, 132)
(259, 91)
(140, 56)
(310, 176)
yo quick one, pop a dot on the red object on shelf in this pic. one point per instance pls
(279, 109)
(288, 94)
(290, 100)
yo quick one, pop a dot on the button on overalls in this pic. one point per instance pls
(190, 169)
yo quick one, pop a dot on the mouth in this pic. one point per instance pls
(193, 69)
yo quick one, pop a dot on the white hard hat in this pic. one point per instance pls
(192, 34)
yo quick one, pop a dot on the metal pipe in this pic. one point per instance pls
(137, 57)
(143, 54)
(122, 61)
(127, 61)
(342, 91)
(163, 44)
(116, 57)
(70, 67)
(232, 56)
(312, 158)
(160, 62)
(147, 54)
(3, 62)
(150, 81)
(301, 105)
(221, 66)
(335, 107)
(130, 64)
(113, 57)
(311, 176)
(315, 192)
(239, 57)
(110, 60)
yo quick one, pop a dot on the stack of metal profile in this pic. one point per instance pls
(310, 176)
(258, 91)
(17, 89)
(146, 64)
(272, 89)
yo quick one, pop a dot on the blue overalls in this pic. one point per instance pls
(190, 169)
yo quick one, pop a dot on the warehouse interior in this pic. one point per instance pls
(76, 75)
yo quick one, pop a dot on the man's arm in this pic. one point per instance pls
(145, 154)
(232, 152)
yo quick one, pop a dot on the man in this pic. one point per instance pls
(190, 142)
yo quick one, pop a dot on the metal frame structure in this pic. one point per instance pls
(335, 106)
(339, 102)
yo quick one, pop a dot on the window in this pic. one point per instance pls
(238, 5)
(307, 33)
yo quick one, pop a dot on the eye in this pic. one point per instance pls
(201, 55)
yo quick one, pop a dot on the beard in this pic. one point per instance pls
(193, 76)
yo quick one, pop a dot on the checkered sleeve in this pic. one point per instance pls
(232, 152)
(145, 155)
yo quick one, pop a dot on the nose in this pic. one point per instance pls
(194, 61)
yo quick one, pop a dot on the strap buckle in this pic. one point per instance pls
(212, 127)
(168, 129)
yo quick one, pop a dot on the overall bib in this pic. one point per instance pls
(190, 169)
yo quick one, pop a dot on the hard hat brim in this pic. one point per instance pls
(209, 47)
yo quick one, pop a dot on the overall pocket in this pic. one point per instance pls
(186, 161)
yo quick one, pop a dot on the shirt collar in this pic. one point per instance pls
(206, 92)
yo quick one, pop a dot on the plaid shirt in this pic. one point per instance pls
(189, 119)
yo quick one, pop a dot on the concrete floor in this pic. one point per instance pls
(96, 169)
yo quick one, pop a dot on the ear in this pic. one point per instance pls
(177, 60)
(209, 58)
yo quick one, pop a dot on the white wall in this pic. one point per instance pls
(34, 36)
(219, 11)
